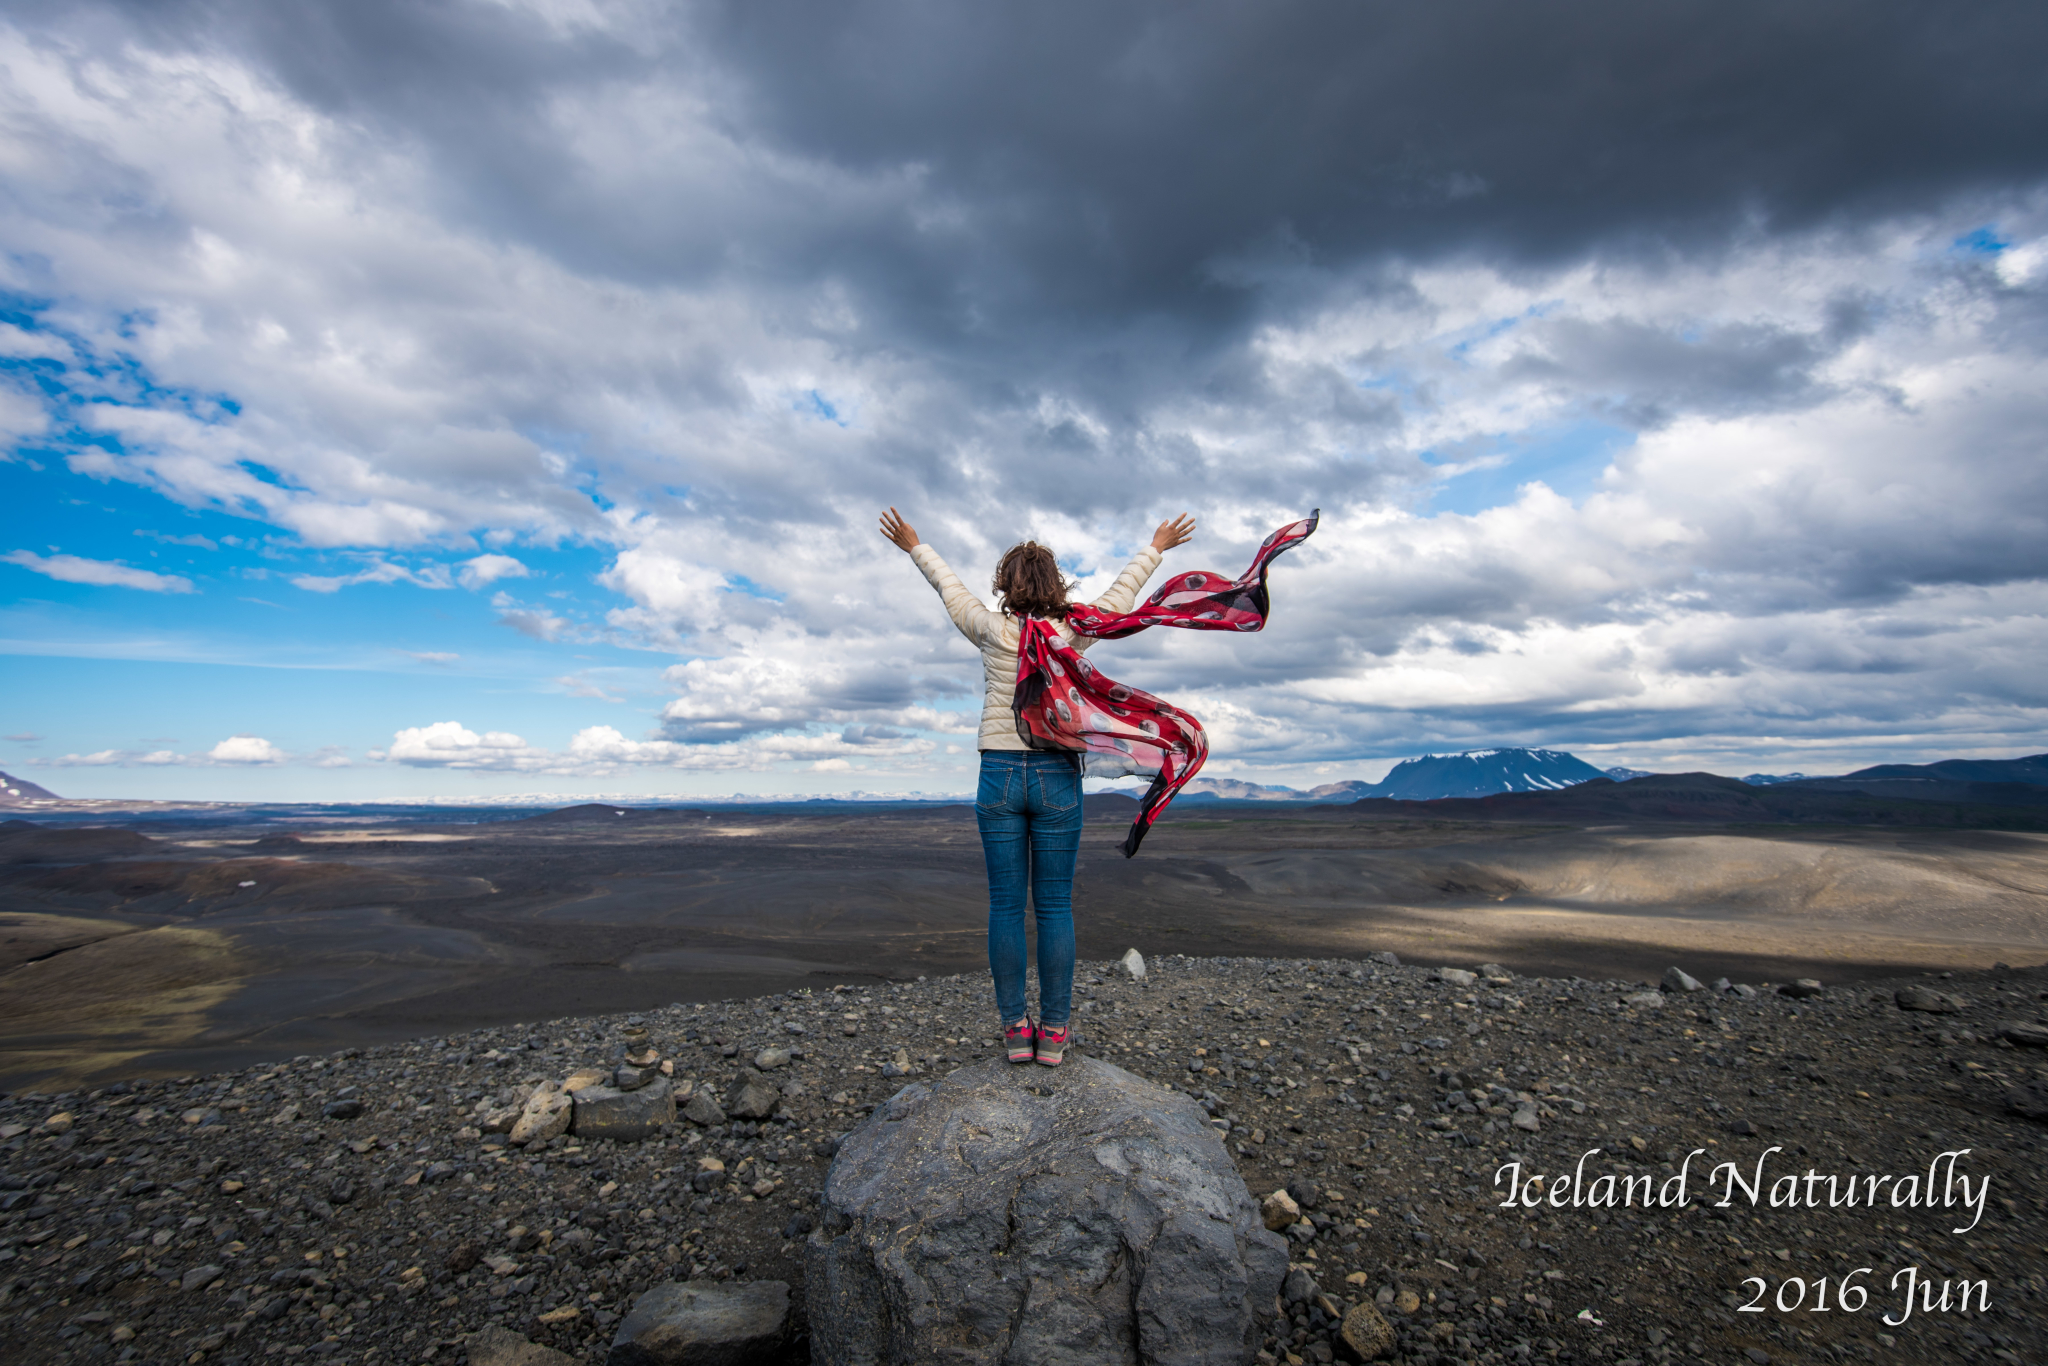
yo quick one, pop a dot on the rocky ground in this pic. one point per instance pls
(259, 1215)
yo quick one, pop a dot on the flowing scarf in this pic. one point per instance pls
(1065, 704)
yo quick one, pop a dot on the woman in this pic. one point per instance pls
(1028, 804)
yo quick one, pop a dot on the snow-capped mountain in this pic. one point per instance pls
(1475, 773)
(13, 789)
(1622, 775)
(1481, 773)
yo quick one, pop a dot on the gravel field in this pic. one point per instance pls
(352, 1209)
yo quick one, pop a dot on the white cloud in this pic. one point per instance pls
(378, 571)
(22, 415)
(578, 686)
(197, 542)
(599, 750)
(488, 569)
(237, 751)
(535, 623)
(449, 744)
(246, 749)
(105, 573)
(18, 344)
(2023, 264)
(98, 759)
(673, 598)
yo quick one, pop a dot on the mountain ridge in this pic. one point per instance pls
(1427, 777)
(1692, 797)
(13, 789)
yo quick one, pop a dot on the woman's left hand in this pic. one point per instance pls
(1173, 533)
(900, 531)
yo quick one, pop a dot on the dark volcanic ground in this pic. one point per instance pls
(227, 1219)
(174, 947)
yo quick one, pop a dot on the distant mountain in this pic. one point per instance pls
(1487, 772)
(2033, 770)
(1980, 782)
(1481, 773)
(1232, 790)
(1350, 790)
(1693, 797)
(13, 789)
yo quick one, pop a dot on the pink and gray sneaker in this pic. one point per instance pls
(1021, 1039)
(1052, 1045)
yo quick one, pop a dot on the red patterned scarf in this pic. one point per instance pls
(1064, 703)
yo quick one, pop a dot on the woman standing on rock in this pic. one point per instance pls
(1028, 803)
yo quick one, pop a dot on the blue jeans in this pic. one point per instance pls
(1029, 809)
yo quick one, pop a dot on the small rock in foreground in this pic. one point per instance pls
(705, 1325)
(1932, 1002)
(496, 1346)
(2029, 1098)
(1367, 1332)
(1678, 979)
(546, 1116)
(752, 1097)
(624, 1116)
(1279, 1211)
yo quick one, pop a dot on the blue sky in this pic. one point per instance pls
(353, 445)
(242, 648)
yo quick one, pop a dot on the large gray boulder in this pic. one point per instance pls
(1025, 1215)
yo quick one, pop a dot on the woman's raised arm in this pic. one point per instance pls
(968, 612)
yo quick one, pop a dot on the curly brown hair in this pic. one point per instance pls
(1029, 583)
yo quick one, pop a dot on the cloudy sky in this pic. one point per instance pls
(465, 397)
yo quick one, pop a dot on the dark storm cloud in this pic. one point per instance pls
(1151, 143)
(1103, 200)
(1004, 175)
(1652, 373)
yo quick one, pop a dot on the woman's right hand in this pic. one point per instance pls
(1173, 532)
(900, 531)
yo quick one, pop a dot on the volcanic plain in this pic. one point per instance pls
(164, 947)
